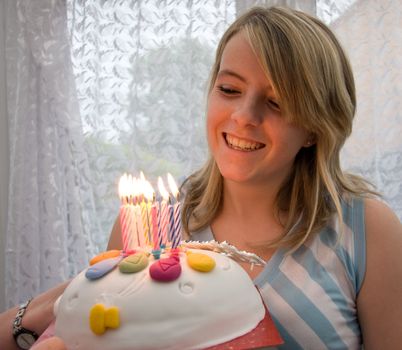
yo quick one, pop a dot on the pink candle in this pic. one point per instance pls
(155, 215)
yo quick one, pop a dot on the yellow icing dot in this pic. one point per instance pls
(200, 262)
(101, 318)
(112, 319)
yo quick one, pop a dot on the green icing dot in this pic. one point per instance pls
(134, 263)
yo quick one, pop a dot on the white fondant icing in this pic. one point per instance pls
(196, 311)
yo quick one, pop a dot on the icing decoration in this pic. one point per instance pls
(226, 249)
(103, 256)
(156, 253)
(165, 269)
(101, 318)
(200, 262)
(181, 314)
(134, 263)
(102, 268)
(174, 252)
(129, 252)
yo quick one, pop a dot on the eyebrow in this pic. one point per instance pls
(229, 72)
(232, 73)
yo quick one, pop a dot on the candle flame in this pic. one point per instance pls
(172, 185)
(162, 189)
(136, 187)
(124, 186)
(148, 191)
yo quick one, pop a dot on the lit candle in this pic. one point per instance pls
(171, 220)
(144, 210)
(163, 217)
(153, 213)
(176, 236)
(139, 225)
(127, 217)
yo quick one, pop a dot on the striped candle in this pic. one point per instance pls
(145, 221)
(126, 218)
(164, 214)
(171, 221)
(140, 227)
(177, 225)
(163, 223)
(175, 232)
(128, 226)
(155, 216)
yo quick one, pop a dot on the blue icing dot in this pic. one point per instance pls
(102, 268)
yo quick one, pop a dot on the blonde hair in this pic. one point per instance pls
(314, 81)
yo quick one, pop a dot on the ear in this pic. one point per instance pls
(310, 141)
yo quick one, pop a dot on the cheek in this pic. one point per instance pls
(292, 136)
(212, 122)
(299, 136)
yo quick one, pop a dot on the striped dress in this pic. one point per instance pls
(311, 294)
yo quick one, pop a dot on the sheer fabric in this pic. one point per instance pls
(98, 88)
(370, 32)
(51, 220)
(142, 71)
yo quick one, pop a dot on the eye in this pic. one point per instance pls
(227, 90)
(273, 105)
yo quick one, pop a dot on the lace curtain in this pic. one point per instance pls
(98, 88)
(51, 218)
(141, 72)
(370, 31)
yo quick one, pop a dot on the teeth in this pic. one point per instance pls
(242, 145)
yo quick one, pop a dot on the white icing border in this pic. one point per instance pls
(226, 249)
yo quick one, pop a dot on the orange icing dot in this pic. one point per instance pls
(105, 255)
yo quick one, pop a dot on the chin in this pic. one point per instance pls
(235, 175)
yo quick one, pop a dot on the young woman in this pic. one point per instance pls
(280, 107)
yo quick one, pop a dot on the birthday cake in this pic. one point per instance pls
(185, 299)
(159, 292)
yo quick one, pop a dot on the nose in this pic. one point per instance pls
(248, 112)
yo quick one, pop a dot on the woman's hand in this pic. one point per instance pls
(53, 343)
(38, 316)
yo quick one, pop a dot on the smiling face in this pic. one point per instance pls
(248, 136)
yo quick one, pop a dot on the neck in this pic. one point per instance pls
(249, 200)
(248, 216)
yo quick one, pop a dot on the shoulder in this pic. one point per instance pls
(383, 236)
(380, 218)
(378, 302)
